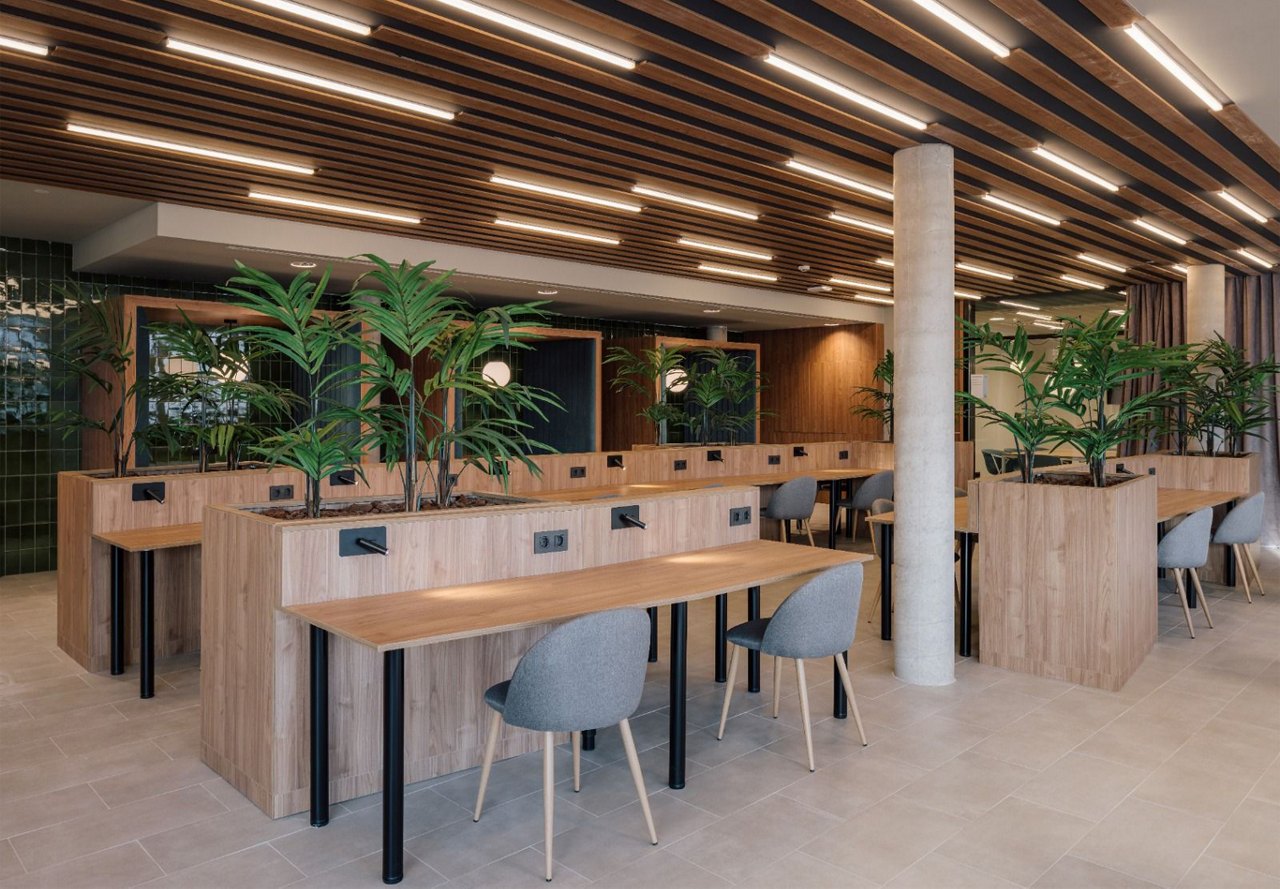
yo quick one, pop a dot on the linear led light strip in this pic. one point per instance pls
(323, 83)
(1158, 53)
(736, 273)
(538, 32)
(980, 270)
(868, 298)
(1242, 207)
(861, 223)
(1018, 208)
(1047, 324)
(964, 294)
(317, 15)
(1100, 262)
(195, 150)
(884, 261)
(838, 179)
(1160, 232)
(32, 49)
(1035, 315)
(724, 248)
(566, 194)
(333, 208)
(965, 27)
(1016, 305)
(1180, 268)
(1255, 258)
(1075, 168)
(1084, 282)
(864, 285)
(696, 203)
(542, 229)
(844, 92)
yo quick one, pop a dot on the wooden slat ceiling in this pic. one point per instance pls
(701, 114)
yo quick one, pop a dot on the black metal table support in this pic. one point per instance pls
(1228, 566)
(886, 581)
(966, 593)
(393, 766)
(676, 725)
(839, 700)
(753, 657)
(319, 727)
(722, 627)
(653, 635)
(589, 739)
(117, 611)
(833, 514)
(147, 623)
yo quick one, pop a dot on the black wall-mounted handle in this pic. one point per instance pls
(363, 541)
(372, 546)
(799, 451)
(153, 491)
(633, 521)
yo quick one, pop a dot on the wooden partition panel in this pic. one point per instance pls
(254, 675)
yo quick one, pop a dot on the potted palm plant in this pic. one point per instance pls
(877, 401)
(651, 376)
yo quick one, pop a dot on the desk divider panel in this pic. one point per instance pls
(254, 676)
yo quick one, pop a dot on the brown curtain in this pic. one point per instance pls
(1253, 323)
(1157, 314)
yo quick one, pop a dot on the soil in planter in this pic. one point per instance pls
(1080, 479)
(183, 469)
(379, 507)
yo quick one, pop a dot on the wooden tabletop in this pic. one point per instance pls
(962, 516)
(144, 539)
(759, 480)
(423, 617)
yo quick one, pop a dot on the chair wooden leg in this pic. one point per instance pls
(809, 531)
(577, 761)
(804, 710)
(1241, 573)
(490, 746)
(1248, 554)
(637, 776)
(1182, 600)
(843, 668)
(1200, 597)
(782, 530)
(548, 793)
(728, 690)
(777, 684)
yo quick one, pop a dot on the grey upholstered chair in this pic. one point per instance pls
(817, 620)
(1186, 548)
(1239, 528)
(584, 674)
(994, 459)
(793, 501)
(875, 487)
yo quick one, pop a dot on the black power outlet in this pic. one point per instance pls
(550, 541)
(342, 477)
(577, 472)
(844, 455)
(280, 492)
(775, 459)
(740, 515)
(680, 465)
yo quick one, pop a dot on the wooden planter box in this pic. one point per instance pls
(254, 658)
(1067, 579)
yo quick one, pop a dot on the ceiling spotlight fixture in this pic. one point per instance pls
(843, 91)
(334, 208)
(1242, 207)
(529, 29)
(861, 223)
(838, 179)
(696, 203)
(1101, 263)
(26, 46)
(868, 298)
(965, 27)
(318, 15)
(1018, 208)
(1009, 302)
(322, 83)
(1255, 258)
(303, 264)
(964, 294)
(986, 272)
(544, 229)
(1159, 232)
(724, 248)
(884, 261)
(1159, 53)
(1084, 282)
(1075, 168)
(1180, 268)
(548, 291)
(565, 193)
(736, 273)
(863, 285)
(233, 157)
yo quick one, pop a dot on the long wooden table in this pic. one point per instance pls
(393, 622)
(144, 542)
(1170, 504)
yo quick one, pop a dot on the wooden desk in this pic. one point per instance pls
(393, 622)
(144, 542)
(1174, 502)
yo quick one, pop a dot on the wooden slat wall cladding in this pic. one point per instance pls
(702, 114)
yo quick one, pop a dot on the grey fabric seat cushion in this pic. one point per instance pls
(750, 634)
(496, 695)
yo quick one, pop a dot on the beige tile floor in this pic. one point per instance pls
(1000, 780)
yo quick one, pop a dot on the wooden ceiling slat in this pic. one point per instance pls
(1250, 133)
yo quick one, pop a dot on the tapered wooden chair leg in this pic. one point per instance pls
(1248, 554)
(804, 711)
(577, 761)
(637, 776)
(777, 684)
(843, 668)
(1200, 597)
(1240, 571)
(548, 793)
(728, 690)
(490, 746)
(1182, 600)
(809, 531)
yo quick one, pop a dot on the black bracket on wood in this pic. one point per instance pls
(153, 491)
(625, 517)
(799, 451)
(614, 461)
(362, 541)
(715, 457)
(342, 477)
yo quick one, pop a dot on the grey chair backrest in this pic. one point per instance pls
(586, 673)
(875, 487)
(880, 506)
(994, 460)
(1187, 545)
(793, 499)
(818, 619)
(1244, 523)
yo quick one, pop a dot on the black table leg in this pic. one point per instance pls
(653, 635)
(833, 515)
(393, 766)
(1228, 568)
(839, 700)
(676, 726)
(117, 611)
(886, 581)
(1160, 529)
(589, 739)
(319, 727)
(966, 593)
(753, 657)
(147, 623)
(722, 627)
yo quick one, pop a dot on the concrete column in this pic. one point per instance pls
(1206, 302)
(924, 415)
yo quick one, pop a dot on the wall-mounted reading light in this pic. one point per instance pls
(614, 461)
(715, 457)
(372, 546)
(799, 451)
